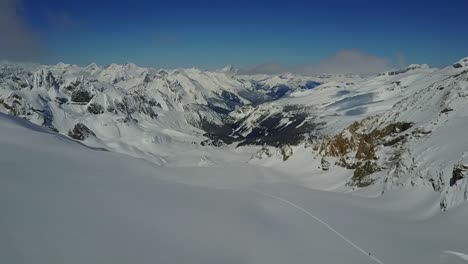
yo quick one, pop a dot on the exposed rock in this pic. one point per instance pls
(81, 96)
(356, 148)
(437, 184)
(153, 102)
(325, 165)
(460, 171)
(209, 142)
(264, 152)
(311, 85)
(80, 132)
(73, 86)
(446, 110)
(286, 151)
(147, 79)
(111, 109)
(456, 190)
(17, 106)
(231, 99)
(394, 141)
(95, 108)
(51, 82)
(47, 80)
(61, 100)
(136, 103)
(127, 119)
(362, 170)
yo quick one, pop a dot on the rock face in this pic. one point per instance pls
(356, 147)
(80, 132)
(324, 164)
(81, 96)
(15, 105)
(266, 152)
(457, 191)
(279, 126)
(95, 109)
(134, 104)
(460, 172)
(286, 152)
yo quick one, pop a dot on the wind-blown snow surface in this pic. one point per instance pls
(64, 202)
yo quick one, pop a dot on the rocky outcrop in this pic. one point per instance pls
(80, 132)
(95, 109)
(81, 96)
(16, 105)
(73, 86)
(460, 171)
(46, 79)
(457, 190)
(356, 147)
(324, 164)
(134, 104)
(286, 151)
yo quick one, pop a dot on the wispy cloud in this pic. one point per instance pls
(344, 61)
(17, 42)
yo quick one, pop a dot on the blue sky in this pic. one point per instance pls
(210, 34)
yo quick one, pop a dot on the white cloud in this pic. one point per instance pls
(17, 42)
(344, 61)
(266, 68)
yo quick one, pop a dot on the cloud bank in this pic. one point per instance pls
(344, 61)
(17, 42)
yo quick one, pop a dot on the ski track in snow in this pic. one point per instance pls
(347, 240)
(462, 256)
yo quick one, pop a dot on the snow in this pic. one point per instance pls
(64, 202)
(183, 97)
(144, 189)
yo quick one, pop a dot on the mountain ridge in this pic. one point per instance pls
(206, 118)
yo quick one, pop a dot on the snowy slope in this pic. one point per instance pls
(64, 202)
(342, 100)
(158, 115)
(400, 129)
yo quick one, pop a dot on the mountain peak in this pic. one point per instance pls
(131, 65)
(461, 63)
(92, 66)
(229, 69)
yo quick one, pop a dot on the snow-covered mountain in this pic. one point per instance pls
(139, 111)
(65, 202)
(400, 129)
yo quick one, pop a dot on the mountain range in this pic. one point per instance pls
(400, 129)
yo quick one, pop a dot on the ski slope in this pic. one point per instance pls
(64, 202)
